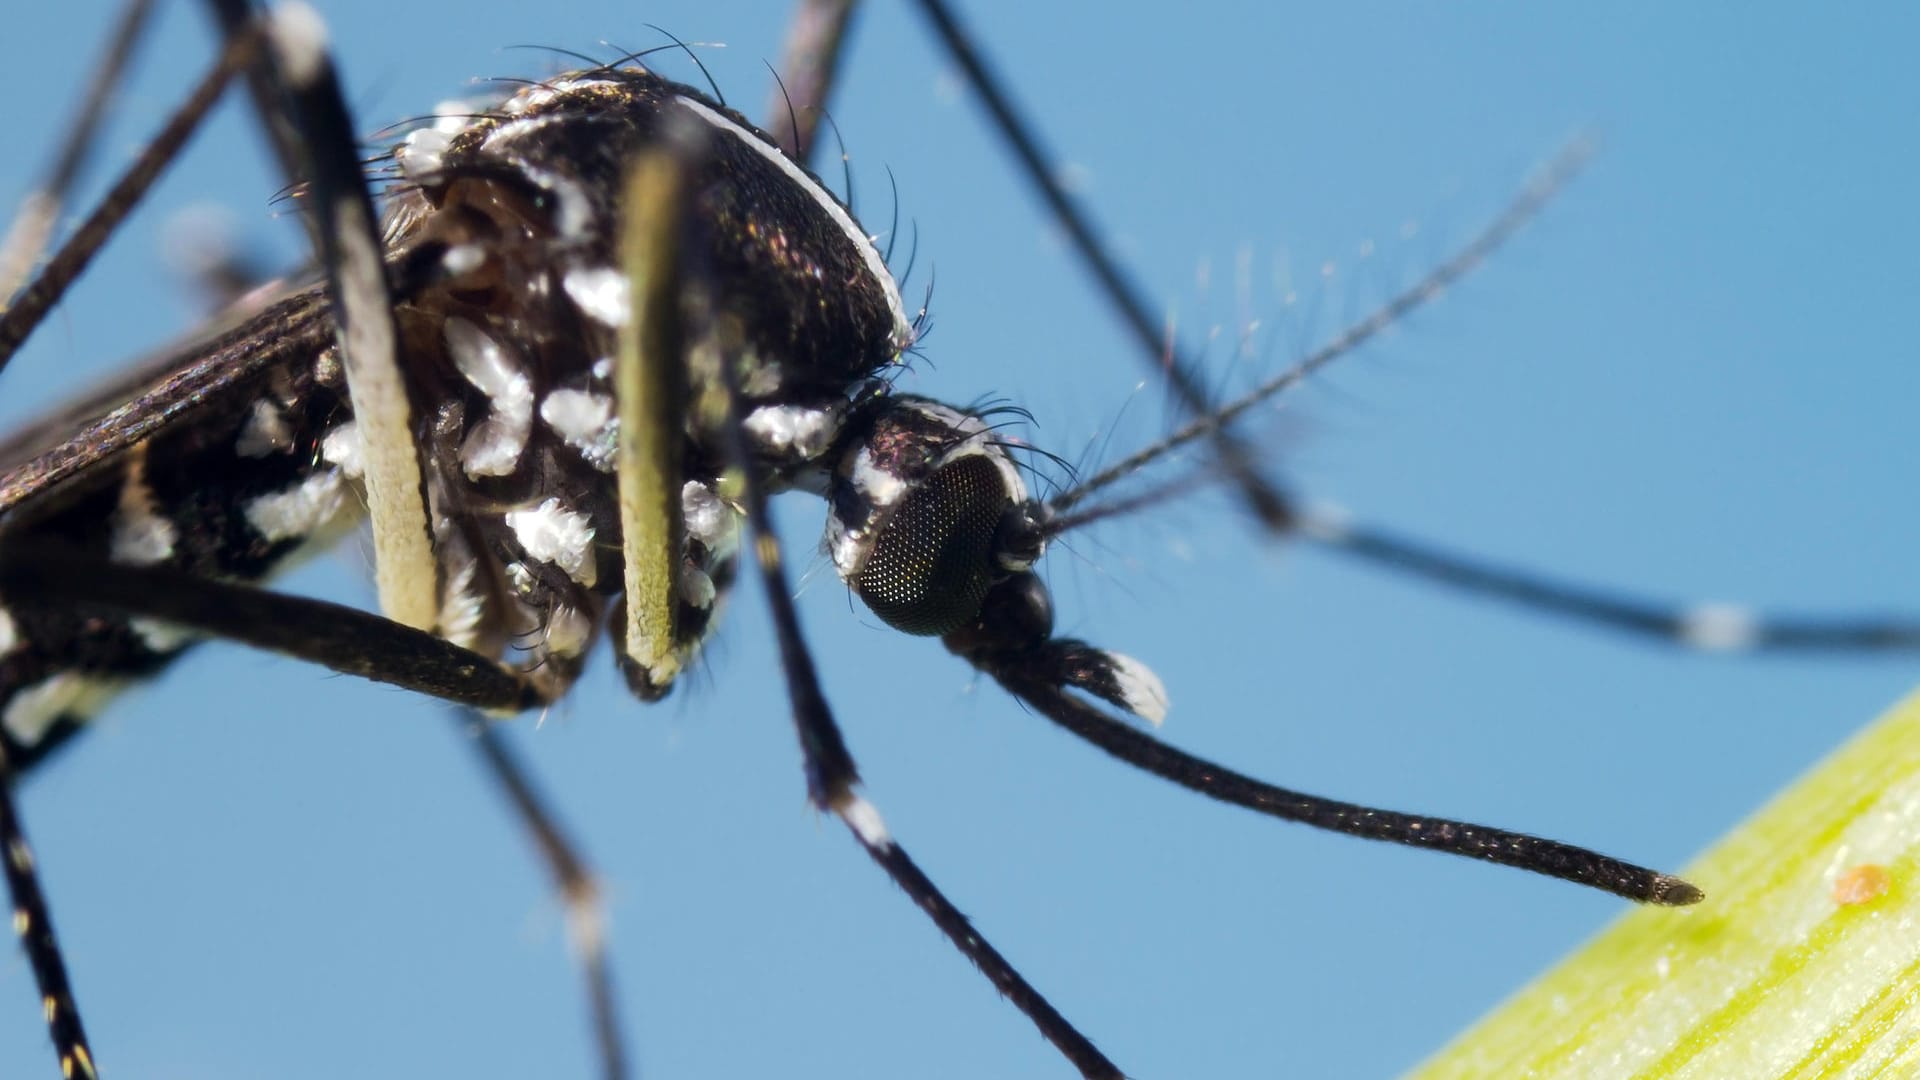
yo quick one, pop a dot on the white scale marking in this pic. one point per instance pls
(461, 607)
(574, 213)
(764, 377)
(519, 578)
(463, 259)
(1142, 691)
(797, 429)
(696, 587)
(537, 96)
(301, 510)
(265, 432)
(420, 153)
(880, 487)
(558, 536)
(864, 818)
(508, 131)
(299, 39)
(326, 367)
(495, 444)
(869, 254)
(9, 634)
(141, 535)
(1329, 523)
(716, 526)
(569, 631)
(585, 421)
(848, 545)
(341, 447)
(34, 709)
(160, 635)
(1719, 627)
(601, 293)
(709, 519)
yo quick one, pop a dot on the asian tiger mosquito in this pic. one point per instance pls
(1067, 946)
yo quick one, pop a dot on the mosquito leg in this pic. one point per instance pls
(1268, 504)
(298, 95)
(31, 229)
(1534, 196)
(1712, 627)
(655, 224)
(650, 396)
(1708, 627)
(1718, 627)
(33, 924)
(31, 305)
(816, 38)
(344, 639)
(32, 919)
(586, 912)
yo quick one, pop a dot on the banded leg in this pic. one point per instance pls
(654, 195)
(345, 640)
(25, 311)
(342, 639)
(1268, 504)
(33, 225)
(299, 100)
(1708, 626)
(33, 924)
(32, 919)
(1713, 627)
(407, 658)
(572, 879)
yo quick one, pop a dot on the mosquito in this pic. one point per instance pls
(1124, 801)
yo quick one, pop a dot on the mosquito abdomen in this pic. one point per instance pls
(250, 469)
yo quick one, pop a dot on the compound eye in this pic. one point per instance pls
(932, 564)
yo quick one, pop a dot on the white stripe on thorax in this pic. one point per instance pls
(869, 254)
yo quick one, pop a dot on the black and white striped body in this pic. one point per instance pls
(506, 353)
(509, 299)
(230, 489)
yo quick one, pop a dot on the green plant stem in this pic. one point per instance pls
(1775, 974)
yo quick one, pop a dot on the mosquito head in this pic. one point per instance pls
(928, 513)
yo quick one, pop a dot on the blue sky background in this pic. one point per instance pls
(1695, 376)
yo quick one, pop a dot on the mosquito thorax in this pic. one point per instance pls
(927, 512)
(511, 349)
(544, 168)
